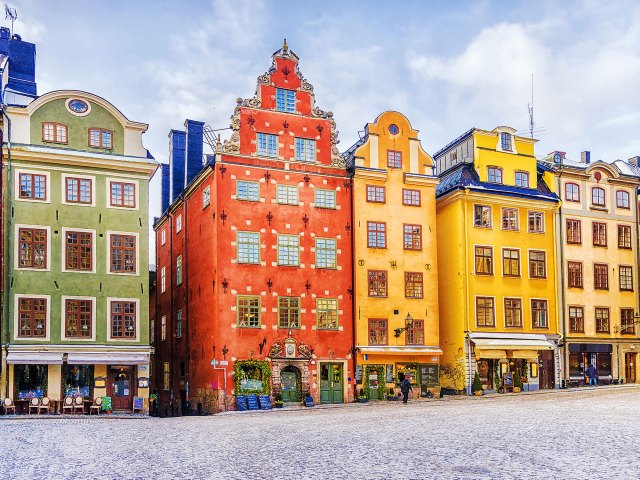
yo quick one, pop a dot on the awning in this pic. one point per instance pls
(35, 358)
(526, 354)
(512, 344)
(114, 358)
(488, 353)
(403, 350)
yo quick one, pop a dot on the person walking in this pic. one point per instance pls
(592, 373)
(405, 387)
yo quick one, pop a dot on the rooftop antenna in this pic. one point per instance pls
(530, 106)
(10, 13)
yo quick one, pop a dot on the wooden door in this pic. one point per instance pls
(121, 388)
(630, 367)
(289, 380)
(547, 375)
(331, 383)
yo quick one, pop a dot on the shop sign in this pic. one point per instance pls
(358, 373)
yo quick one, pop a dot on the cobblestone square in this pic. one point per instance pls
(568, 435)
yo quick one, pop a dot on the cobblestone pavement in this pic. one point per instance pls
(567, 435)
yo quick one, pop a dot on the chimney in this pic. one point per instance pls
(177, 140)
(585, 157)
(193, 162)
(635, 161)
(166, 187)
(21, 80)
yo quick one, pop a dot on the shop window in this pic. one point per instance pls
(123, 253)
(78, 190)
(574, 274)
(513, 312)
(536, 222)
(482, 216)
(378, 331)
(510, 219)
(249, 191)
(624, 236)
(327, 313)
(485, 312)
(484, 260)
(576, 365)
(537, 264)
(412, 237)
(288, 250)
(289, 312)
(248, 310)
(574, 231)
(376, 235)
(377, 283)
(602, 320)
(510, 262)
(603, 364)
(326, 252)
(576, 319)
(249, 376)
(79, 251)
(599, 234)
(31, 380)
(32, 247)
(78, 381)
(375, 194)
(539, 316)
(33, 186)
(248, 246)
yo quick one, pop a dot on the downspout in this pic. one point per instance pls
(185, 319)
(352, 260)
(6, 265)
(560, 287)
(170, 319)
(466, 290)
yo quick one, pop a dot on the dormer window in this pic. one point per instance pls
(597, 197)
(100, 138)
(505, 141)
(494, 174)
(285, 100)
(522, 179)
(54, 132)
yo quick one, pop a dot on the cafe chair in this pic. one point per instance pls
(45, 405)
(34, 404)
(9, 406)
(78, 404)
(68, 405)
(97, 406)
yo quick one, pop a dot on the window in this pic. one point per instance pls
(601, 276)
(163, 279)
(206, 197)
(285, 100)
(325, 198)
(100, 138)
(32, 317)
(377, 331)
(576, 319)
(377, 283)
(505, 141)
(414, 334)
(166, 375)
(627, 327)
(179, 223)
(597, 197)
(394, 159)
(412, 237)
(123, 319)
(123, 254)
(33, 186)
(289, 312)
(179, 323)
(513, 312)
(574, 231)
(599, 234)
(484, 260)
(602, 320)
(510, 262)
(411, 197)
(78, 318)
(79, 251)
(413, 285)
(622, 199)
(482, 216)
(494, 174)
(574, 274)
(54, 132)
(510, 219)
(624, 236)
(537, 264)
(485, 312)
(32, 248)
(626, 278)
(287, 194)
(123, 195)
(327, 313)
(163, 237)
(326, 252)
(288, 250)
(536, 222)
(267, 145)
(522, 179)
(305, 150)
(249, 191)
(163, 328)
(539, 314)
(179, 270)
(78, 190)
(571, 192)
(248, 311)
(375, 194)
(248, 245)
(376, 235)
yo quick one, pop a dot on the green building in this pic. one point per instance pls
(76, 305)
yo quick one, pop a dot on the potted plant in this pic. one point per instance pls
(517, 382)
(392, 395)
(476, 386)
(278, 400)
(363, 397)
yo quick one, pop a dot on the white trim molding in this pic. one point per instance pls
(16, 315)
(138, 312)
(63, 319)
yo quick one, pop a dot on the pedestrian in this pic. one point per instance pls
(405, 387)
(592, 373)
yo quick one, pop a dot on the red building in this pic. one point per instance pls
(257, 256)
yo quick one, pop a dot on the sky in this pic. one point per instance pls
(447, 65)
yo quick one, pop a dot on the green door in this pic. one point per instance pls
(289, 380)
(330, 383)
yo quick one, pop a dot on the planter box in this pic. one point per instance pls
(278, 405)
(363, 400)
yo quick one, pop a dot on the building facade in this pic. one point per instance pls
(259, 245)
(496, 256)
(598, 238)
(396, 266)
(76, 257)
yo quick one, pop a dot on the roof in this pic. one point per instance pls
(622, 167)
(464, 176)
(462, 137)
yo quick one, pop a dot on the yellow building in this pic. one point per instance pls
(599, 258)
(396, 274)
(496, 256)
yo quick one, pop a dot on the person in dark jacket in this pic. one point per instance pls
(405, 387)
(592, 373)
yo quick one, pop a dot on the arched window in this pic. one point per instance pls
(597, 196)
(571, 192)
(622, 199)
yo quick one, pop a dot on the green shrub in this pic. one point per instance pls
(477, 383)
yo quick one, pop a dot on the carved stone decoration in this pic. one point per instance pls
(265, 79)
(253, 102)
(304, 350)
(276, 350)
(318, 112)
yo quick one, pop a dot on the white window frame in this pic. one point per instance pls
(108, 250)
(47, 185)
(81, 177)
(335, 253)
(63, 319)
(94, 246)
(163, 236)
(243, 262)
(206, 197)
(529, 213)
(179, 270)
(138, 314)
(179, 223)
(297, 264)
(163, 280)
(268, 138)
(286, 102)
(238, 182)
(163, 328)
(16, 320)
(309, 150)
(136, 185)
(16, 247)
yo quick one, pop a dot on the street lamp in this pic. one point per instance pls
(408, 323)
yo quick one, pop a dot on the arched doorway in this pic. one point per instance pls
(291, 381)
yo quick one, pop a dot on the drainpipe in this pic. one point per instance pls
(6, 265)
(185, 282)
(466, 290)
(560, 287)
(350, 179)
